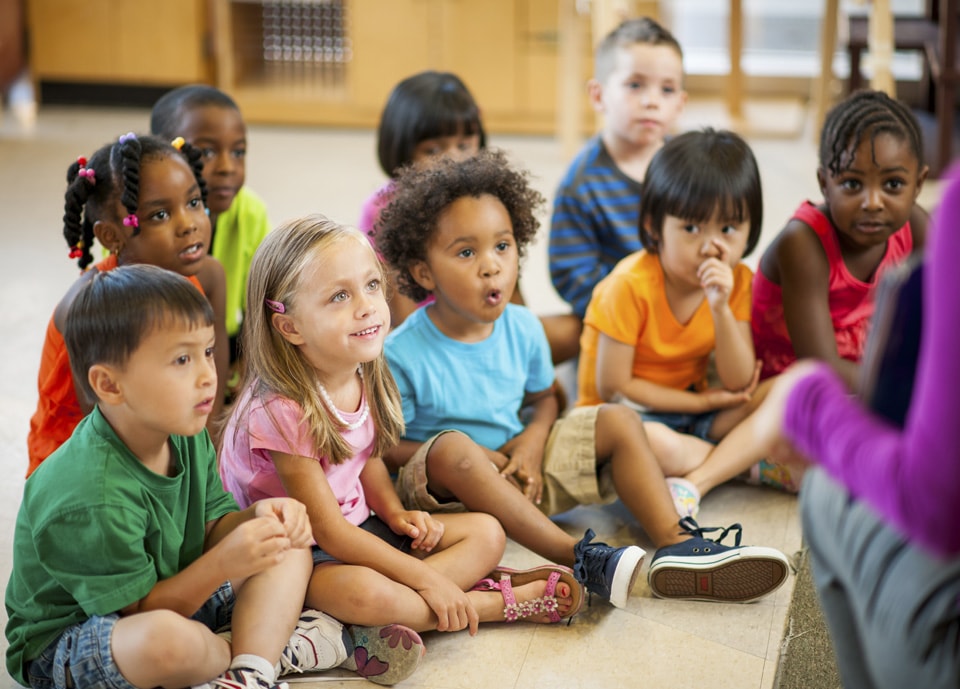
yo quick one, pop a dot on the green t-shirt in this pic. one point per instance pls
(240, 229)
(97, 530)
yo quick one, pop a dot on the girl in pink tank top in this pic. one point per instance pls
(813, 292)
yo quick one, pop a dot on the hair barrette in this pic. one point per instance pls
(178, 143)
(76, 251)
(88, 173)
(129, 136)
(275, 306)
(131, 221)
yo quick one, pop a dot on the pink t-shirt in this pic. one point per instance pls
(247, 469)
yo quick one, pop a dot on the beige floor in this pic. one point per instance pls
(651, 643)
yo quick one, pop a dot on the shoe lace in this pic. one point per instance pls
(588, 570)
(690, 526)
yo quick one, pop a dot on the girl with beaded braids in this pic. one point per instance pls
(813, 292)
(142, 199)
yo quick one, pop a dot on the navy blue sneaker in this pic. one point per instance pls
(700, 568)
(607, 571)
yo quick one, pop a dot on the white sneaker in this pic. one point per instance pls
(316, 644)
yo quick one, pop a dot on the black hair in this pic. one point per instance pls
(112, 173)
(425, 106)
(168, 110)
(421, 195)
(113, 312)
(630, 32)
(866, 113)
(697, 174)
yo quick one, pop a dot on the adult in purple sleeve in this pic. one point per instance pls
(880, 509)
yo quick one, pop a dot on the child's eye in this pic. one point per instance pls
(208, 153)
(850, 184)
(691, 228)
(196, 202)
(728, 229)
(373, 285)
(669, 90)
(159, 215)
(503, 246)
(634, 85)
(896, 184)
(340, 296)
(239, 153)
(465, 253)
(208, 352)
(182, 360)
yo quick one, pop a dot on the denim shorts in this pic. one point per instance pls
(378, 528)
(698, 425)
(80, 658)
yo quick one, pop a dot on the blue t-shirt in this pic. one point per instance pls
(476, 387)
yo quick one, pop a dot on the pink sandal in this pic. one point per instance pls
(503, 579)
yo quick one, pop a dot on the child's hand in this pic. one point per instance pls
(293, 515)
(720, 398)
(716, 276)
(524, 464)
(501, 461)
(452, 606)
(425, 531)
(252, 547)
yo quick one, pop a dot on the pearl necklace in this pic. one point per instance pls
(332, 408)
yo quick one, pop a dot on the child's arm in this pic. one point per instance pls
(735, 358)
(214, 283)
(804, 282)
(525, 450)
(615, 381)
(238, 545)
(304, 479)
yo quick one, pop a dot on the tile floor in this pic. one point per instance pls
(650, 643)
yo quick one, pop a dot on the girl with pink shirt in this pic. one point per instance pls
(318, 410)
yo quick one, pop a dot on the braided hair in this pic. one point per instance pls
(112, 174)
(866, 113)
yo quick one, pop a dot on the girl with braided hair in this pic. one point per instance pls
(143, 200)
(813, 293)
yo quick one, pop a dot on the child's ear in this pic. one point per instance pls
(287, 328)
(422, 274)
(921, 178)
(822, 180)
(110, 235)
(103, 380)
(595, 94)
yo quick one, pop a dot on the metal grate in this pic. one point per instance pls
(309, 37)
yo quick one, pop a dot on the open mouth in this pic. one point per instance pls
(367, 332)
(494, 297)
(193, 252)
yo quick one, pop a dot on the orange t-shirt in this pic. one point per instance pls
(58, 410)
(630, 306)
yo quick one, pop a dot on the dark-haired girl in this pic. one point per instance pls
(813, 292)
(142, 199)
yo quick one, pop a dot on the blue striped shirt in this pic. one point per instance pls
(594, 224)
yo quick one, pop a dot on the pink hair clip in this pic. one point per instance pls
(276, 306)
(131, 221)
(85, 172)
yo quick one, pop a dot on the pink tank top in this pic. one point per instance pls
(850, 299)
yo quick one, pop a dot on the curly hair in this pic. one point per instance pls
(421, 196)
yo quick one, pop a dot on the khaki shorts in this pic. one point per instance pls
(569, 469)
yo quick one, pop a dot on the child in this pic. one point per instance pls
(813, 292)
(886, 570)
(128, 555)
(470, 360)
(143, 200)
(653, 323)
(211, 121)
(318, 409)
(428, 117)
(638, 87)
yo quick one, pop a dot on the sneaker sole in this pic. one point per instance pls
(628, 569)
(386, 657)
(749, 573)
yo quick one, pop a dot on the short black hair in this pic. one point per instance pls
(697, 174)
(425, 106)
(111, 314)
(168, 110)
(630, 32)
(866, 113)
(421, 196)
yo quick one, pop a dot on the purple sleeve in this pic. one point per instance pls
(910, 476)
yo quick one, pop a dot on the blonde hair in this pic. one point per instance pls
(272, 365)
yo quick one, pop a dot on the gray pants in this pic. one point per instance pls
(893, 610)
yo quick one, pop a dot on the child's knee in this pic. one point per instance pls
(487, 529)
(455, 452)
(164, 641)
